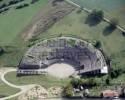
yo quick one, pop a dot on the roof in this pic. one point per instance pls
(110, 93)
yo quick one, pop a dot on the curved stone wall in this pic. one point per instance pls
(81, 54)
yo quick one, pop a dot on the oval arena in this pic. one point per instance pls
(63, 57)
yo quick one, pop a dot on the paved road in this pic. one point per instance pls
(89, 11)
(23, 89)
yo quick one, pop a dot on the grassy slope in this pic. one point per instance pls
(14, 21)
(6, 90)
(44, 80)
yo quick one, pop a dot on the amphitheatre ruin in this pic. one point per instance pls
(63, 57)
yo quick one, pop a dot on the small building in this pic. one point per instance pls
(109, 93)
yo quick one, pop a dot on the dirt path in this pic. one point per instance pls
(46, 17)
(23, 89)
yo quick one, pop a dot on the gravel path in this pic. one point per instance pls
(3, 72)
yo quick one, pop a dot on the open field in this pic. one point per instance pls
(43, 80)
(14, 21)
(5, 90)
(112, 8)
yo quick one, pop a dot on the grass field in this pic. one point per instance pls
(112, 8)
(5, 90)
(43, 80)
(14, 21)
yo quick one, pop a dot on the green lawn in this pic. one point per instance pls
(5, 90)
(43, 80)
(112, 8)
(14, 21)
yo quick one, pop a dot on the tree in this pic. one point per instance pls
(116, 72)
(123, 33)
(3, 5)
(75, 82)
(1, 50)
(95, 17)
(22, 6)
(113, 23)
(107, 81)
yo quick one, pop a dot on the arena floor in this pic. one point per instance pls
(61, 70)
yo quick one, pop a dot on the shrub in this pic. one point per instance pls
(76, 82)
(116, 72)
(107, 81)
(68, 91)
(97, 45)
(14, 2)
(3, 10)
(34, 1)
(3, 6)
(86, 83)
(22, 6)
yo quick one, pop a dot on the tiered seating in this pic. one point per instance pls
(54, 51)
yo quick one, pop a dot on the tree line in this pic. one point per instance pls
(6, 6)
